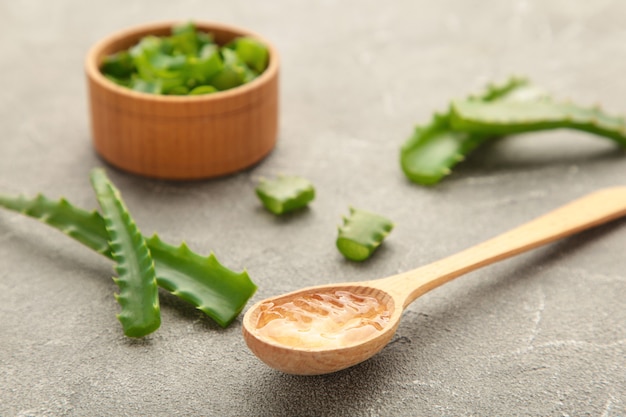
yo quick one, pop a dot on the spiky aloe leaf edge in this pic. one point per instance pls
(224, 293)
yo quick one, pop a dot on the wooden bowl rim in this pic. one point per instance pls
(92, 67)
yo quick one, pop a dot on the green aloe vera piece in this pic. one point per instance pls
(285, 193)
(515, 107)
(202, 89)
(435, 148)
(362, 233)
(138, 296)
(252, 52)
(119, 65)
(233, 72)
(201, 281)
(184, 39)
(179, 90)
(152, 87)
(511, 117)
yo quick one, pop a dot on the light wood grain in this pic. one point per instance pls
(182, 137)
(400, 290)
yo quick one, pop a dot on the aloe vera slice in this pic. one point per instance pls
(511, 117)
(138, 292)
(435, 148)
(184, 40)
(233, 73)
(202, 89)
(202, 281)
(252, 52)
(151, 87)
(362, 233)
(285, 193)
(119, 65)
(202, 68)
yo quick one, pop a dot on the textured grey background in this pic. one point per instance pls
(541, 334)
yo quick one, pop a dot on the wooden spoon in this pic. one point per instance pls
(395, 293)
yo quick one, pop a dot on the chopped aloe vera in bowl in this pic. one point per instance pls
(252, 52)
(188, 62)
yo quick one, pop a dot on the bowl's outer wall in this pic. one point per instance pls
(182, 137)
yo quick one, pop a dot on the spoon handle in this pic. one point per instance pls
(589, 211)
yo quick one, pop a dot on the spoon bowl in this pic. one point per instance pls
(327, 328)
(315, 360)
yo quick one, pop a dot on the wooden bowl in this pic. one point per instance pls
(182, 137)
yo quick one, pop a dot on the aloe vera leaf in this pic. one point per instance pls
(285, 193)
(362, 233)
(86, 227)
(511, 117)
(138, 294)
(217, 291)
(434, 149)
(201, 281)
(509, 89)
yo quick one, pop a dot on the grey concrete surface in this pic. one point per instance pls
(543, 334)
